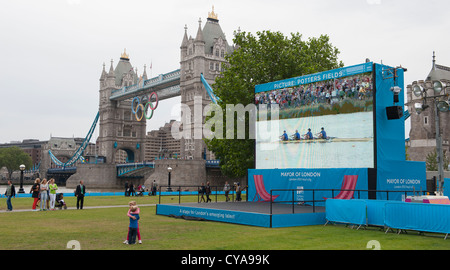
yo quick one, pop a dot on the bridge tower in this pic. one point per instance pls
(203, 54)
(118, 128)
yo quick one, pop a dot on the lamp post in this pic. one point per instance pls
(169, 170)
(438, 93)
(22, 168)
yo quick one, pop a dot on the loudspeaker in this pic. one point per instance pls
(394, 112)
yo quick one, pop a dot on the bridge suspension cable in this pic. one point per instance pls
(210, 91)
(78, 154)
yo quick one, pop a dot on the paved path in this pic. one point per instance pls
(74, 208)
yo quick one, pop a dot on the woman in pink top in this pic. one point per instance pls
(133, 203)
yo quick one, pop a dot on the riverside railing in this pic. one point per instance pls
(313, 201)
(182, 191)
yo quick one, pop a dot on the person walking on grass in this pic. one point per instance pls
(238, 192)
(208, 192)
(126, 188)
(10, 192)
(202, 191)
(80, 191)
(53, 188)
(35, 189)
(227, 189)
(43, 195)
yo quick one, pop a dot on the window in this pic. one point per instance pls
(126, 115)
(217, 66)
(217, 52)
(211, 66)
(425, 120)
(222, 54)
(127, 132)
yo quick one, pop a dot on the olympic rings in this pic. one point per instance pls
(137, 106)
(149, 97)
(132, 104)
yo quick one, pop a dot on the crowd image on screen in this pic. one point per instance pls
(359, 87)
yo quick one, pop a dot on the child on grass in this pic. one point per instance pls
(132, 229)
(132, 215)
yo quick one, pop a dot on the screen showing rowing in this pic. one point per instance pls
(323, 120)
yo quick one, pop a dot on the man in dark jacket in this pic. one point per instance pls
(79, 193)
(10, 192)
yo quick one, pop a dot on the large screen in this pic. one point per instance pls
(324, 120)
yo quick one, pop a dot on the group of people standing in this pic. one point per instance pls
(236, 187)
(206, 190)
(45, 192)
(130, 190)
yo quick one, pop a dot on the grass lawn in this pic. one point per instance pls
(106, 229)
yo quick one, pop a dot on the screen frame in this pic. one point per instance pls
(366, 68)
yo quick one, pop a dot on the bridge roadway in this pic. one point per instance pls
(124, 170)
(165, 85)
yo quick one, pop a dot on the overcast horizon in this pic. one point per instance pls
(54, 50)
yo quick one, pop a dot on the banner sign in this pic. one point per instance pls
(312, 78)
(401, 176)
(298, 184)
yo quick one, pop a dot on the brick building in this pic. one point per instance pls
(159, 144)
(423, 126)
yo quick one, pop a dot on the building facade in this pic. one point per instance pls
(422, 137)
(62, 148)
(204, 54)
(123, 139)
(160, 144)
(30, 146)
(120, 132)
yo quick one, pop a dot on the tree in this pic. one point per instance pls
(268, 57)
(12, 158)
(432, 161)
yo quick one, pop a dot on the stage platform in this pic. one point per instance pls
(248, 213)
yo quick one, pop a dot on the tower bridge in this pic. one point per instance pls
(202, 59)
(165, 86)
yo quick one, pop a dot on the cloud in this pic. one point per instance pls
(54, 50)
(74, 2)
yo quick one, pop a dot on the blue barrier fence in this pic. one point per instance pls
(318, 197)
(421, 217)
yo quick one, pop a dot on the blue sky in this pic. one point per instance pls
(53, 50)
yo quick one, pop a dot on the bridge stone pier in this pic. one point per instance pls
(184, 172)
(121, 132)
(95, 176)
